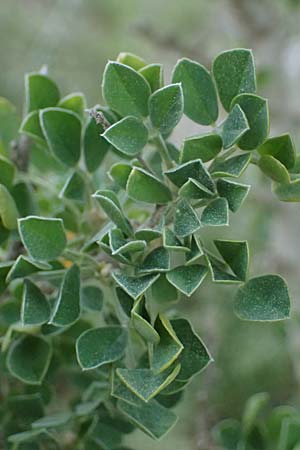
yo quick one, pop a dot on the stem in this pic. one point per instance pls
(163, 150)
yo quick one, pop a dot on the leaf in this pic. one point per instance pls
(129, 135)
(9, 123)
(186, 220)
(119, 173)
(113, 211)
(7, 172)
(99, 346)
(280, 147)
(264, 298)
(187, 278)
(144, 383)
(215, 213)
(288, 192)
(235, 193)
(236, 255)
(35, 308)
(168, 349)
(158, 260)
(125, 301)
(205, 147)
(234, 73)
(228, 434)
(4, 270)
(196, 250)
(164, 292)
(23, 195)
(257, 114)
(144, 187)
(141, 321)
(234, 127)
(31, 126)
(74, 102)
(147, 234)
(274, 169)
(192, 189)
(40, 92)
(91, 297)
(125, 90)
(62, 130)
(166, 108)
(43, 238)
(28, 359)
(67, 307)
(153, 73)
(134, 286)
(219, 271)
(192, 169)
(171, 242)
(200, 97)
(53, 421)
(8, 209)
(152, 418)
(95, 147)
(75, 188)
(31, 435)
(231, 167)
(195, 357)
(131, 60)
(253, 407)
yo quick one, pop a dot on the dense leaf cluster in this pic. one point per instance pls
(101, 233)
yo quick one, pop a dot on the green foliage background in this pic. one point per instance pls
(75, 38)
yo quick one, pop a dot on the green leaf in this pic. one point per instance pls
(253, 407)
(125, 301)
(234, 73)
(125, 90)
(192, 169)
(4, 270)
(53, 421)
(186, 220)
(31, 435)
(231, 167)
(9, 123)
(152, 418)
(164, 292)
(43, 238)
(215, 213)
(187, 278)
(99, 346)
(40, 92)
(113, 211)
(171, 242)
(141, 321)
(158, 260)
(153, 73)
(134, 286)
(264, 298)
(219, 271)
(74, 102)
(28, 359)
(67, 307)
(131, 60)
(31, 126)
(8, 209)
(257, 114)
(35, 308)
(94, 145)
(205, 147)
(195, 357)
(23, 195)
(62, 130)
(129, 135)
(228, 434)
(75, 188)
(196, 250)
(166, 108)
(144, 187)
(200, 97)
(7, 172)
(274, 169)
(235, 193)
(91, 297)
(168, 349)
(147, 234)
(288, 192)
(119, 173)
(192, 189)
(281, 148)
(234, 127)
(144, 383)
(236, 255)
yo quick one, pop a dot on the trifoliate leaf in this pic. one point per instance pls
(166, 108)
(147, 234)
(35, 308)
(163, 292)
(192, 169)
(40, 92)
(75, 188)
(171, 241)
(186, 220)
(235, 193)
(129, 135)
(220, 271)
(144, 187)
(274, 169)
(134, 286)
(158, 260)
(200, 97)
(119, 173)
(153, 73)
(234, 127)
(192, 189)
(113, 211)
(281, 148)
(167, 350)
(125, 90)
(187, 278)
(205, 147)
(95, 147)
(74, 102)
(131, 60)
(100, 346)
(195, 250)
(264, 298)
(215, 213)
(141, 321)
(234, 73)
(28, 359)
(236, 255)
(91, 297)
(231, 167)
(31, 126)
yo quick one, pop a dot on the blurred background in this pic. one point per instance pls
(75, 38)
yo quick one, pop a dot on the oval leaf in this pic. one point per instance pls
(166, 108)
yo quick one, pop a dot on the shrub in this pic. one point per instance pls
(93, 265)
